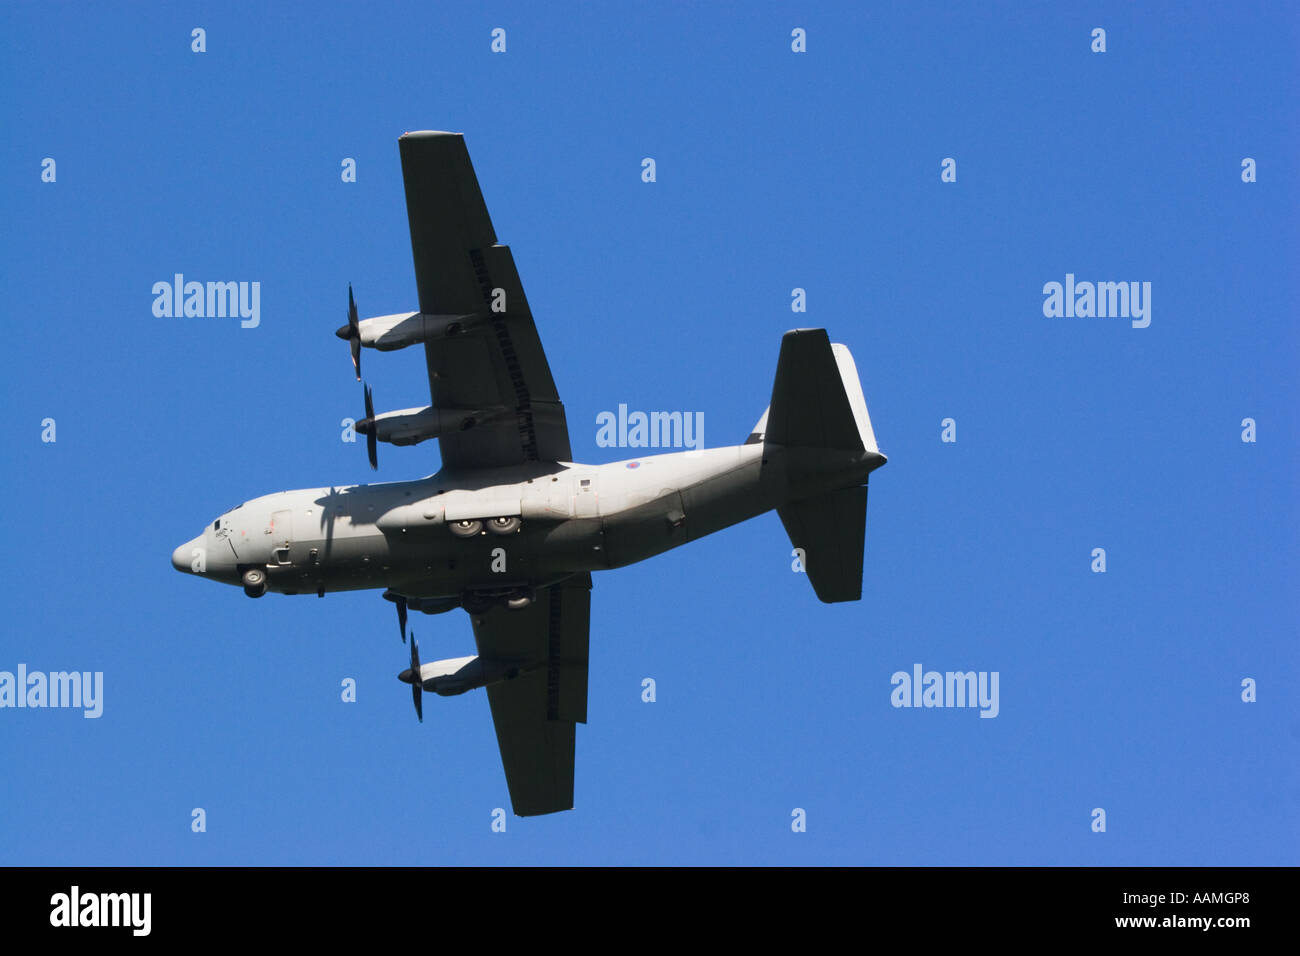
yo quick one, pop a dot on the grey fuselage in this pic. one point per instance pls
(573, 518)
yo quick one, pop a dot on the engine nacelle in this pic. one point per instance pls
(456, 675)
(389, 332)
(410, 426)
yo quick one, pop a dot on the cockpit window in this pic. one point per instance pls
(216, 525)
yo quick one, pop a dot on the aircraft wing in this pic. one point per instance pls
(497, 364)
(535, 714)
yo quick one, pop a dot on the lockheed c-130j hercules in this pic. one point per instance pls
(509, 497)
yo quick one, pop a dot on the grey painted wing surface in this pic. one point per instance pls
(496, 365)
(536, 713)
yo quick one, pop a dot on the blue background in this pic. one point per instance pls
(776, 170)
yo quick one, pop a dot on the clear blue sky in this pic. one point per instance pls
(775, 170)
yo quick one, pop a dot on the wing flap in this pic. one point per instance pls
(569, 638)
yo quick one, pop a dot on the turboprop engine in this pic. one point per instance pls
(389, 332)
(397, 331)
(410, 426)
(452, 676)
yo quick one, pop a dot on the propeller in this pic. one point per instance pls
(417, 689)
(372, 442)
(401, 616)
(351, 333)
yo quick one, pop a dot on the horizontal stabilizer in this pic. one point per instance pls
(830, 531)
(816, 398)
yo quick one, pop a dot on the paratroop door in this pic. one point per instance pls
(282, 537)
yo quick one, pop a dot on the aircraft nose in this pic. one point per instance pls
(183, 557)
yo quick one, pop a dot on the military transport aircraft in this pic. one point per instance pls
(510, 529)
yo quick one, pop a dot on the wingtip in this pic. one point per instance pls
(426, 134)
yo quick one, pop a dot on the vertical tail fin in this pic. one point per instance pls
(817, 399)
(818, 413)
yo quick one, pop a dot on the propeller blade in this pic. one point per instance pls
(372, 442)
(401, 616)
(354, 333)
(417, 689)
